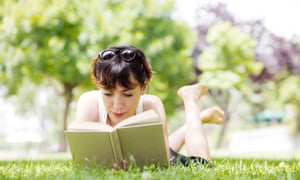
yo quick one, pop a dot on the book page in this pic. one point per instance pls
(147, 117)
(89, 126)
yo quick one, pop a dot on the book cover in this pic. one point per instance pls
(139, 138)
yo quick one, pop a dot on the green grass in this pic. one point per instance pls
(225, 169)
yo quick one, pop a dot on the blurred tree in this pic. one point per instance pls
(280, 58)
(226, 64)
(285, 93)
(53, 41)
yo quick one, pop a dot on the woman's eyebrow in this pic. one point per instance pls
(127, 89)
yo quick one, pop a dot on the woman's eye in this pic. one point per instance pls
(107, 94)
(128, 95)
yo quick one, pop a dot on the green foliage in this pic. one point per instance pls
(289, 90)
(229, 59)
(54, 39)
(225, 169)
(42, 43)
(172, 66)
(283, 92)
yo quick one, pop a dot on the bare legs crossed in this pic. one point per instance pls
(192, 133)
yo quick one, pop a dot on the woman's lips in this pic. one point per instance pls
(118, 115)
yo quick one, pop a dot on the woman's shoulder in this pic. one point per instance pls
(151, 101)
(87, 106)
(89, 95)
(154, 102)
(89, 98)
(151, 98)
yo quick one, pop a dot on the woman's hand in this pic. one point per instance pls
(124, 165)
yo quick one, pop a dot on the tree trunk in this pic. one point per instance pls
(298, 120)
(222, 133)
(222, 97)
(68, 95)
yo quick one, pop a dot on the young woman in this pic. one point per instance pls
(122, 74)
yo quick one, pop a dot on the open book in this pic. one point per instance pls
(139, 138)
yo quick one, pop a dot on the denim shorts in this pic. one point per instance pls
(180, 159)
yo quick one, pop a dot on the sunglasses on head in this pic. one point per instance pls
(125, 54)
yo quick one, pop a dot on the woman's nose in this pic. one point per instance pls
(117, 103)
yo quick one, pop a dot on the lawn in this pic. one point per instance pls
(225, 169)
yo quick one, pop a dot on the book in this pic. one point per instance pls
(139, 139)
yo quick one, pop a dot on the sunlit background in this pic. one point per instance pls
(247, 52)
(279, 16)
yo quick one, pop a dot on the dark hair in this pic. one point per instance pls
(108, 73)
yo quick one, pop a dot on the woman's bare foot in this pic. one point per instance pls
(194, 91)
(213, 115)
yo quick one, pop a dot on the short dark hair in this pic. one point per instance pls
(108, 73)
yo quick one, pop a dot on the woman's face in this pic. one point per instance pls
(121, 103)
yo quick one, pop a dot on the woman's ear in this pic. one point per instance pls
(144, 88)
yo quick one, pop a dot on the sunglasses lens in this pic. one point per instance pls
(127, 55)
(106, 55)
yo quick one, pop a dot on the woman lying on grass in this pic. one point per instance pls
(122, 74)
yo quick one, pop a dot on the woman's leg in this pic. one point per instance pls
(177, 139)
(191, 133)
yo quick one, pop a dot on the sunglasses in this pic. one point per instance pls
(125, 54)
